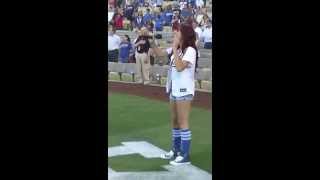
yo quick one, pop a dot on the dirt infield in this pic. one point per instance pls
(201, 99)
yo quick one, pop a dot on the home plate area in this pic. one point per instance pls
(147, 150)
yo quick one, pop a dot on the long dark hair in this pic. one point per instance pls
(128, 38)
(188, 38)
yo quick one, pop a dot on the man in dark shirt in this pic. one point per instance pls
(142, 57)
(142, 44)
(129, 12)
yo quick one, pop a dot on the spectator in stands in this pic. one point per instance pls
(199, 16)
(126, 24)
(198, 32)
(152, 3)
(176, 12)
(204, 20)
(147, 17)
(119, 3)
(159, 3)
(182, 4)
(199, 3)
(207, 36)
(128, 12)
(135, 4)
(197, 29)
(163, 16)
(112, 4)
(127, 2)
(125, 47)
(134, 18)
(186, 12)
(192, 3)
(142, 60)
(113, 44)
(159, 23)
(133, 52)
(118, 21)
(175, 23)
(141, 3)
(132, 58)
(146, 4)
(139, 21)
(168, 16)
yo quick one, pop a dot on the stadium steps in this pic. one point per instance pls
(125, 73)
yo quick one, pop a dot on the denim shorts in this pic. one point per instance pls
(188, 97)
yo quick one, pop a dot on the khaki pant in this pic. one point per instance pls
(143, 69)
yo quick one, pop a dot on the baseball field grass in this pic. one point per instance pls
(134, 118)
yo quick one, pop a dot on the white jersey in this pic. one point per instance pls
(113, 42)
(207, 35)
(182, 83)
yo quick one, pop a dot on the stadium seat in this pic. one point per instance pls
(126, 77)
(163, 81)
(203, 74)
(167, 29)
(155, 72)
(205, 54)
(126, 24)
(162, 43)
(202, 50)
(204, 63)
(114, 76)
(155, 69)
(197, 84)
(165, 69)
(206, 85)
(116, 67)
(110, 66)
(130, 68)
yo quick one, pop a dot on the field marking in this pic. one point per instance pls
(119, 150)
(147, 150)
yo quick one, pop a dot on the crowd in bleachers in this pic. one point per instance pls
(153, 18)
(129, 14)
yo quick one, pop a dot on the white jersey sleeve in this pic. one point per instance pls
(190, 55)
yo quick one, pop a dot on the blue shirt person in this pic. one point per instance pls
(139, 21)
(159, 23)
(125, 49)
(168, 17)
(147, 17)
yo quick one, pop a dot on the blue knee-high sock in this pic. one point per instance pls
(185, 142)
(176, 140)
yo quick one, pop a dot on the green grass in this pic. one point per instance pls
(133, 118)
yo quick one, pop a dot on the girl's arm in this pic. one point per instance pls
(156, 50)
(160, 54)
(180, 65)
